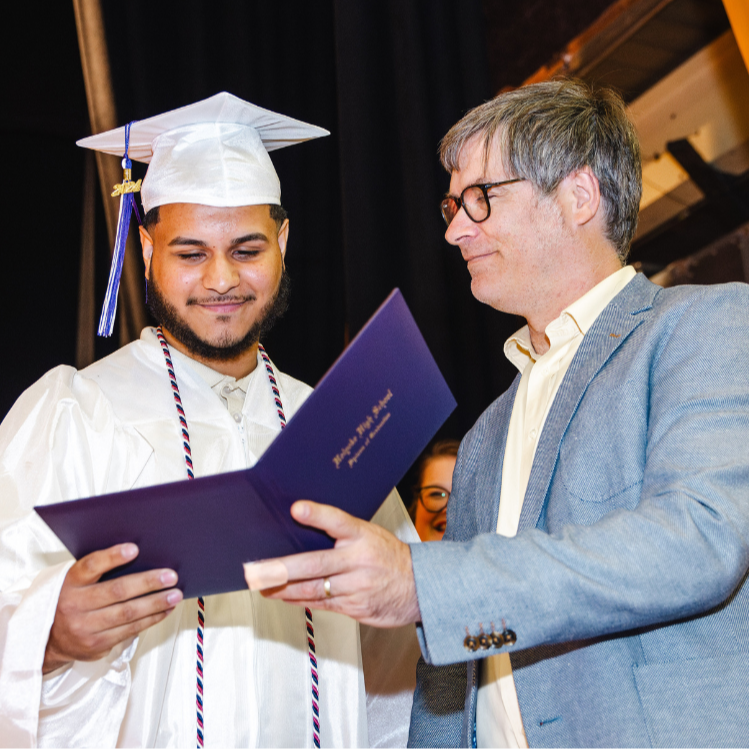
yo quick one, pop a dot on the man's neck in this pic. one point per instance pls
(562, 296)
(238, 367)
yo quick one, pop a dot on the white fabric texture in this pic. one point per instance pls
(112, 427)
(276, 130)
(389, 655)
(498, 719)
(212, 152)
(214, 163)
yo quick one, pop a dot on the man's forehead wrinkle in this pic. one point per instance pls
(464, 177)
(481, 160)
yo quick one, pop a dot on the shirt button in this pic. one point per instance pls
(226, 390)
(237, 417)
(532, 434)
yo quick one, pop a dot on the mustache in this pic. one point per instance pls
(221, 299)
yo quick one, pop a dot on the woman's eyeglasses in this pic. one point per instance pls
(433, 498)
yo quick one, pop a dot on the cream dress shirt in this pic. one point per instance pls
(498, 719)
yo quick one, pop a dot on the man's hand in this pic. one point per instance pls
(92, 617)
(368, 574)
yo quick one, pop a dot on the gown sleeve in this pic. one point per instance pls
(60, 441)
(389, 656)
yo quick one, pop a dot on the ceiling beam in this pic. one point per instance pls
(726, 259)
(717, 186)
(612, 28)
(738, 14)
(695, 227)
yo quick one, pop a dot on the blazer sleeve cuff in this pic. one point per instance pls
(442, 575)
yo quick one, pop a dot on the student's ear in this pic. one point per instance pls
(147, 245)
(283, 237)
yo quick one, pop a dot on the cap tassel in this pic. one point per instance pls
(126, 192)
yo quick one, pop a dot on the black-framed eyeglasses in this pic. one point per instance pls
(474, 200)
(433, 498)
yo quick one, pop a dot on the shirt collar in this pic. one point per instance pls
(586, 309)
(576, 319)
(210, 376)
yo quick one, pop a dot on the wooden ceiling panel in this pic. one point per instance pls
(627, 44)
(660, 54)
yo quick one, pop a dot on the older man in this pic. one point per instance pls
(592, 587)
(87, 662)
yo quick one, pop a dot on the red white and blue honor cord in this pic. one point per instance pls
(307, 612)
(201, 603)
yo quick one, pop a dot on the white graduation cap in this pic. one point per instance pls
(213, 152)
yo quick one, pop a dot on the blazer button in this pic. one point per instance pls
(497, 640)
(509, 637)
(471, 643)
(484, 641)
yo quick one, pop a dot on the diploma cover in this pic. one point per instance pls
(351, 441)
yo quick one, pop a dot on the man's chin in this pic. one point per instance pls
(219, 336)
(227, 350)
(483, 290)
(203, 340)
(223, 348)
(216, 348)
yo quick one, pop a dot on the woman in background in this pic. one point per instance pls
(434, 483)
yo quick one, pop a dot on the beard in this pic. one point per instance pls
(226, 348)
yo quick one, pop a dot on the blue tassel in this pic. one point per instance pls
(108, 312)
(127, 201)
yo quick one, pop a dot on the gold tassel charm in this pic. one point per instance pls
(127, 185)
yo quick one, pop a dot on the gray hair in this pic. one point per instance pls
(547, 131)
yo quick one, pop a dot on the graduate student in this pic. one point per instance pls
(129, 662)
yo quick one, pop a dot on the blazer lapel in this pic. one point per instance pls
(487, 508)
(612, 327)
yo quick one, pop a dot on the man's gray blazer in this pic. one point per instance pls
(627, 582)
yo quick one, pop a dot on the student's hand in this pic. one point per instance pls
(92, 617)
(367, 576)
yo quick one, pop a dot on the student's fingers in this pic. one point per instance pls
(125, 588)
(125, 613)
(83, 632)
(98, 644)
(90, 568)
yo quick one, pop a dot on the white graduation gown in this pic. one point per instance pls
(111, 427)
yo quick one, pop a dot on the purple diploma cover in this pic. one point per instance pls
(352, 440)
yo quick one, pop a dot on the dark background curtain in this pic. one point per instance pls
(387, 79)
(43, 112)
